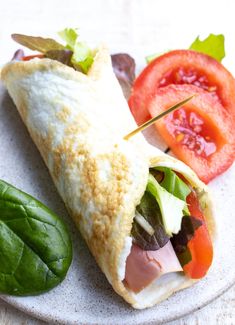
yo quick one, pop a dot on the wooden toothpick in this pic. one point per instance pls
(154, 119)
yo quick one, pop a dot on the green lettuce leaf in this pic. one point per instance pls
(174, 185)
(70, 36)
(74, 53)
(171, 207)
(213, 46)
(83, 56)
(151, 57)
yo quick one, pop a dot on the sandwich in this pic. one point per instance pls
(145, 216)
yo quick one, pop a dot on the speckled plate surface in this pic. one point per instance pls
(85, 297)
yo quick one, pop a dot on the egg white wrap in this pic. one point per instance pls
(78, 123)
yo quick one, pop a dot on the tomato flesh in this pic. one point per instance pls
(200, 246)
(207, 144)
(182, 67)
(188, 76)
(196, 133)
(190, 130)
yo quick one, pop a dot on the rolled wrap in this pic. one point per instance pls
(78, 122)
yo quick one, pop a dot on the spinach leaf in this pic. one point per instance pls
(35, 246)
(150, 210)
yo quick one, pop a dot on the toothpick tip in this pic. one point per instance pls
(154, 119)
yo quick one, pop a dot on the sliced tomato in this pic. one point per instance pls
(30, 57)
(200, 245)
(196, 133)
(182, 67)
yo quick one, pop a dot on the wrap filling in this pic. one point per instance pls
(167, 232)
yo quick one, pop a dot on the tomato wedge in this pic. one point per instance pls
(196, 133)
(182, 67)
(200, 245)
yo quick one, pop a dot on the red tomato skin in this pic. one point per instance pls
(213, 114)
(200, 245)
(147, 83)
(30, 57)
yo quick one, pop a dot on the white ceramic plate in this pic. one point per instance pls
(85, 297)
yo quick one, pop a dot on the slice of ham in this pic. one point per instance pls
(143, 267)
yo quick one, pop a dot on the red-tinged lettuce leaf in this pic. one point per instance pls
(63, 56)
(150, 210)
(18, 55)
(75, 54)
(78, 55)
(180, 241)
(124, 69)
(124, 66)
(184, 257)
(36, 43)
